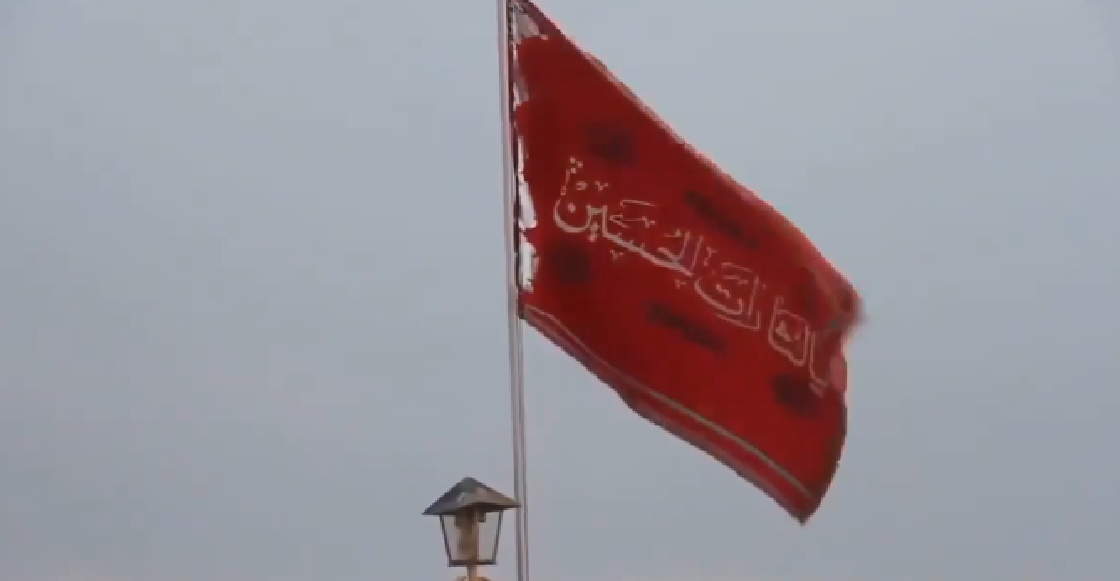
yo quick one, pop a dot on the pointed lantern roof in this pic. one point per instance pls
(470, 493)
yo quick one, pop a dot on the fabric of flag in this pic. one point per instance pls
(707, 311)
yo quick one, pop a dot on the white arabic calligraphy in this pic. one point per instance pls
(743, 313)
(598, 220)
(730, 289)
(820, 378)
(789, 333)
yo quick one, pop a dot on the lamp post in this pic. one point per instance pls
(470, 516)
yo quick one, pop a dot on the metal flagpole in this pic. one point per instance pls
(513, 240)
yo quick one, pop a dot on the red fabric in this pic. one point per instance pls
(699, 304)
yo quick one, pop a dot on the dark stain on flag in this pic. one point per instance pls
(795, 394)
(691, 330)
(611, 143)
(711, 213)
(806, 296)
(570, 263)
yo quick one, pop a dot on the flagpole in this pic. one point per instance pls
(513, 285)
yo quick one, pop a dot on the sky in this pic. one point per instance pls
(252, 308)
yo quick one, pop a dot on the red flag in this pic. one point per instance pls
(707, 311)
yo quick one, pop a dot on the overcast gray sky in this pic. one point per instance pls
(252, 307)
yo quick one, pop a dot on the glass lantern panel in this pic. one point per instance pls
(471, 537)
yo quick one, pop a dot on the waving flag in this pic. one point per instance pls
(707, 311)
